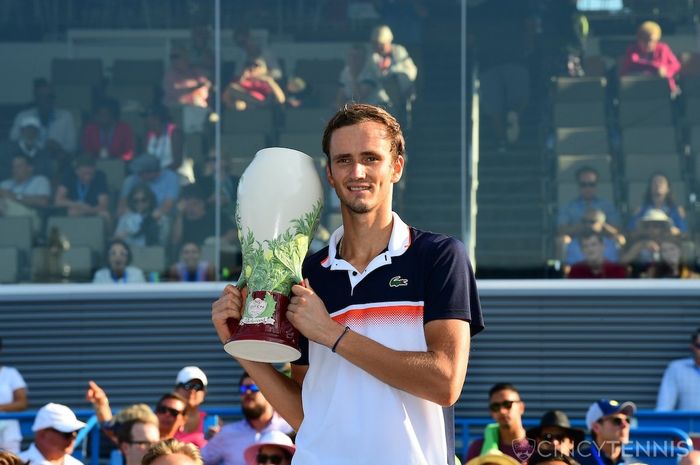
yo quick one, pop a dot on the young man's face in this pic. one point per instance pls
(506, 408)
(587, 183)
(593, 250)
(612, 428)
(143, 436)
(362, 169)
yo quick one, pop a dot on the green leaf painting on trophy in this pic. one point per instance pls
(274, 265)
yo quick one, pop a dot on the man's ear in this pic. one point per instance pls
(397, 166)
(329, 175)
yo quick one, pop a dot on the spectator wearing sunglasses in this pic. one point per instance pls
(609, 423)
(55, 429)
(554, 434)
(507, 410)
(226, 448)
(681, 382)
(274, 447)
(191, 384)
(136, 430)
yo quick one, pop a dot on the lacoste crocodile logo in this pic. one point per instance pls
(398, 281)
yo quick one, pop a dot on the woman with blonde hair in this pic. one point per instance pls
(172, 452)
(648, 55)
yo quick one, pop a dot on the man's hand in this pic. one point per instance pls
(227, 306)
(96, 395)
(308, 314)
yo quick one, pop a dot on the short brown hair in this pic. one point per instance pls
(356, 113)
(125, 420)
(169, 447)
(175, 396)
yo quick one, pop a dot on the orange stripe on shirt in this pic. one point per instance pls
(394, 314)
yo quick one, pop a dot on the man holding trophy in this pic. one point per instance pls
(385, 314)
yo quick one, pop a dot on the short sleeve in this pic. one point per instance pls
(451, 291)
(15, 380)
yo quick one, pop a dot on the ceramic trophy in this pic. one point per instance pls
(280, 197)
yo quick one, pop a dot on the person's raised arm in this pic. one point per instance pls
(99, 400)
(283, 393)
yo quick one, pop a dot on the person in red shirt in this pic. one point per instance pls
(595, 266)
(255, 88)
(106, 136)
(650, 56)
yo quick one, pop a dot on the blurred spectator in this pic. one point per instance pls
(554, 434)
(191, 267)
(396, 68)
(681, 382)
(658, 196)
(405, 18)
(194, 222)
(107, 136)
(164, 140)
(191, 384)
(183, 84)
(30, 144)
(545, 458)
(206, 180)
(250, 49)
(651, 57)
(13, 398)
(172, 452)
(563, 38)
(360, 81)
(492, 457)
(670, 263)
(163, 182)
(255, 88)
(226, 448)
(646, 247)
(273, 447)
(609, 424)
(24, 193)
(199, 51)
(9, 458)
(55, 428)
(691, 458)
(58, 132)
(594, 221)
(507, 434)
(570, 218)
(137, 431)
(297, 92)
(83, 191)
(119, 269)
(141, 225)
(595, 265)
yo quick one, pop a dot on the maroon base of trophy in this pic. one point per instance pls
(272, 342)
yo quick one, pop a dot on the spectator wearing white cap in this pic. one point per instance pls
(273, 447)
(609, 424)
(29, 143)
(191, 383)
(55, 428)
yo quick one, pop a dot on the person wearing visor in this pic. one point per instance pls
(191, 383)
(609, 424)
(554, 434)
(226, 448)
(55, 429)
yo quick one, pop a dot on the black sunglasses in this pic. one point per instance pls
(551, 437)
(249, 388)
(273, 459)
(191, 386)
(506, 404)
(617, 421)
(170, 411)
(67, 436)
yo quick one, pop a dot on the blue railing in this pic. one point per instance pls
(674, 426)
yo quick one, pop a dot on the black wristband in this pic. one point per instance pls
(335, 346)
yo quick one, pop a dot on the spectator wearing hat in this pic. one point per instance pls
(670, 264)
(649, 56)
(595, 265)
(55, 429)
(106, 136)
(259, 418)
(119, 269)
(58, 132)
(191, 267)
(554, 434)
(29, 143)
(658, 196)
(191, 384)
(681, 382)
(83, 191)
(273, 447)
(172, 452)
(645, 250)
(609, 424)
(508, 434)
(493, 457)
(164, 183)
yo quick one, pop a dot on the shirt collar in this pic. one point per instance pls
(399, 242)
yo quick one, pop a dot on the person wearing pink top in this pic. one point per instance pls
(650, 56)
(191, 383)
(183, 84)
(106, 136)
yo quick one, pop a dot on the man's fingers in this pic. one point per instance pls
(300, 290)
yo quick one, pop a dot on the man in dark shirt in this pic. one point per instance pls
(83, 191)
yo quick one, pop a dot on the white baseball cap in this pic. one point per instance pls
(190, 373)
(30, 120)
(58, 417)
